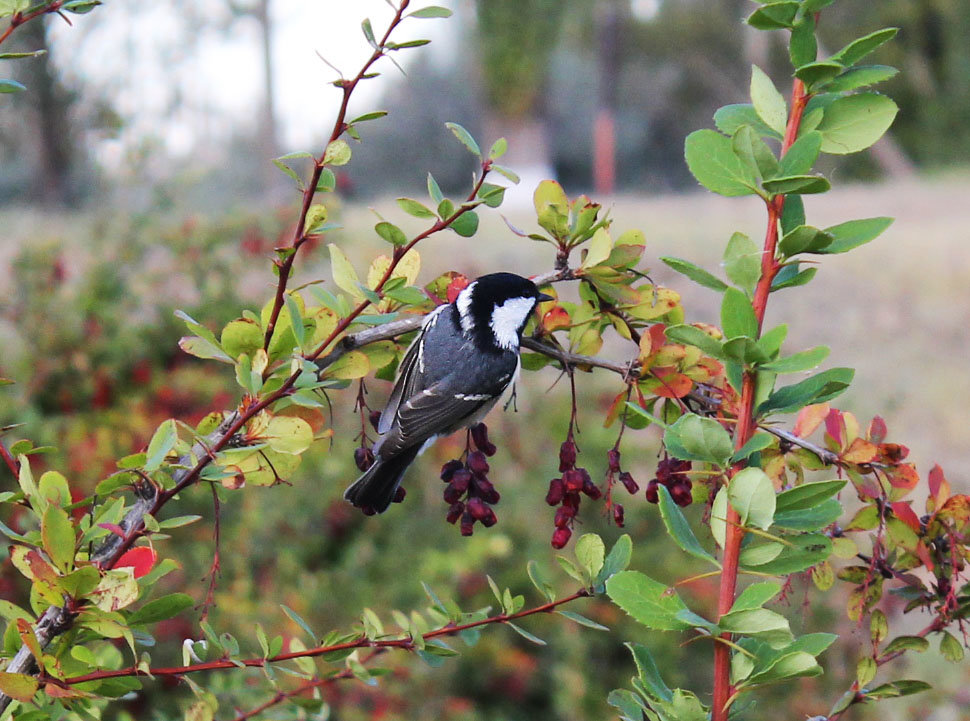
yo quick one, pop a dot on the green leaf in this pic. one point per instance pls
(498, 149)
(590, 552)
(798, 184)
(807, 495)
(161, 609)
(754, 152)
(696, 274)
(810, 519)
(678, 528)
(203, 348)
(895, 689)
(372, 115)
(18, 686)
(756, 595)
(583, 621)
(731, 117)
(11, 86)
(711, 159)
(344, 274)
(769, 626)
(689, 335)
(803, 47)
(820, 387)
(539, 580)
(784, 667)
(465, 138)
(737, 315)
(858, 49)
(801, 156)
(432, 11)
(718, 517)
(950, 647)
(803, 361)
(413, 207)
(818, 72)
(767, 101)
(161, 444)
(434, 192)
(793, 214)
(525, 634)
(58, 536)
(648, 672)
(752, 495)
(298, 620)
(368, 32)
(337, 153)
(776, 559)
(391, 233)
(774, 16)
(18, 56)
(757, 442)
(860, 77)
(790, 276)
(804, 239)
(742, 261)
(241, 336)
(854, 233)
(466, 224)
(855, 122)
(80, 7)
(906, 643)
(327, 181)
(617, 559)
(650, 602)
(695, 438)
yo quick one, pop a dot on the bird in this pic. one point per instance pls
(464, 357)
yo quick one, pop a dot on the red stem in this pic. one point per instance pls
(299, 233)
(11, 462)
(20, 18)
(747, 423)
(404, 643)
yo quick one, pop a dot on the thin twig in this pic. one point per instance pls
(19, 19)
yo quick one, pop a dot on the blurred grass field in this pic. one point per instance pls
(894, 309)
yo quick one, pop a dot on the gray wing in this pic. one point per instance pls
(431, 412)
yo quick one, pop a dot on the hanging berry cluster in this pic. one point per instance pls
(565, 492)
(672, 473)
(615, 474)
(469, 494)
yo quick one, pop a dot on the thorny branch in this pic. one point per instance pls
(406, 644)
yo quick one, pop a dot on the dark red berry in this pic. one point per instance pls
(364, 458)
(492, 496)
(490, 519)
(448, 470)
(567, 456)
(560, 537)
(375, 418)
(653, 495)
(452, 494)
(556, 490)
(564, 514)
(480, 437)
(613, 457)
(681, 494)
(618, 515)
(399, 495)
(467, 521)
(477, 463)
(461, 480)
(572, 480)
(477, 508)
(455, 511)
(571, 499)
(627, 480)
(592, 490)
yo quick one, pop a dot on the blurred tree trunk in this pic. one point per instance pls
(52, 132)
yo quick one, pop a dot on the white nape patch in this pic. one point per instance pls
(473, 396)
(464, 304)
(508, 318)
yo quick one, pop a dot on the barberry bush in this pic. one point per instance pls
(741, 487)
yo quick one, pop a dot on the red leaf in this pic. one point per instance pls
(903, 476)
(893, 453)
(658, 336)
(905, 513)
(457, 286)
(142, 559)
(924, 555)
(939, 486)
(877, 430)
(672, 385)
(555, 319)
(835, 427)
(114, 528)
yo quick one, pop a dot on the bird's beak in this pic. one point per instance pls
(544, 297)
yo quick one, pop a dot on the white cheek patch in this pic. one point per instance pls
(508, 318)
(464, 304)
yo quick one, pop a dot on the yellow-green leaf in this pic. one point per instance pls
(344, 274)
(58, 536)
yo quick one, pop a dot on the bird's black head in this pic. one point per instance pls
(494, 309)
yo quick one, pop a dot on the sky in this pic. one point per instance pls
(151, 57)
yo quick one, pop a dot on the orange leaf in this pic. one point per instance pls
(672, 385)
(903, 476)
(957, 509)
(924, 555)
(457, 285)
(893, 453)
(810, 418)
(555, 319)
(860, 451)
(141, 559)
(905, 513)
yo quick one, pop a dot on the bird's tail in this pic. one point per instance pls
(377, 487)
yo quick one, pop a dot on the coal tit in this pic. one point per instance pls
(463, 359)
